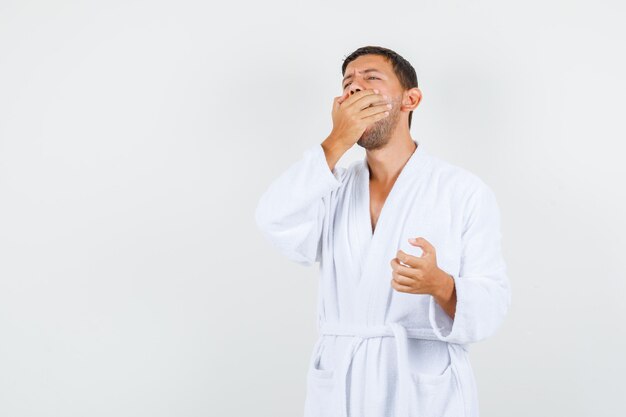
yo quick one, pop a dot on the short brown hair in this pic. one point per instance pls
(401, 67)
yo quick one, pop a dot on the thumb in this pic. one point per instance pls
(343, 97)
(336, 103)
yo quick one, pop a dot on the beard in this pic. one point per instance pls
(377, 134)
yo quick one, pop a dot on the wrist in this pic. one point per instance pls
(335, 143)
(333, 150)
(445, 290)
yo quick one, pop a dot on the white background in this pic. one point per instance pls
(137, 136)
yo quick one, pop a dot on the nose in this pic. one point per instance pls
(354, 90)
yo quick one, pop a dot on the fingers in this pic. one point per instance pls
(361, 100)
(353, 113)
(398, 268)
(402, 288)
(370, 100)
(351, 99)
(426, 246)
(374, 118)
(403, 279)
(410, 260)
(376, 109)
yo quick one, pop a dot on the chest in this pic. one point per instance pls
(377, 197)
(415, 209)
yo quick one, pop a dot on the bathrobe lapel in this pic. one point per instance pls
(374, 285)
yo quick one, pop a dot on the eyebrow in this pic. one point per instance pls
(364, 72)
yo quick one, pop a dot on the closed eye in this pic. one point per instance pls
(371, 76)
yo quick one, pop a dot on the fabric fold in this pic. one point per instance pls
(291, 212)
(482, 288)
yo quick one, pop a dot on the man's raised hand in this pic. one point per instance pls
(352, 114)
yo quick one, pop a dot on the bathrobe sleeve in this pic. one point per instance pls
(482, 287)
(291, 212)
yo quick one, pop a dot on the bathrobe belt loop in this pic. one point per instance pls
(360, 333)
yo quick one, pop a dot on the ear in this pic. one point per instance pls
(411, 99)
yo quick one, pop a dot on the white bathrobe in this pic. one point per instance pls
(380, 352)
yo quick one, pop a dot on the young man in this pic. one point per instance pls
(395, 325)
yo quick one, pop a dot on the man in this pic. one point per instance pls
(395, 325)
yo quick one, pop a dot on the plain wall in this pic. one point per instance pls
(137, 136)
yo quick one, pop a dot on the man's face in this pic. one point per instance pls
(374, 71)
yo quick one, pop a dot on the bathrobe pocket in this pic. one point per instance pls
(320, 383)
(437, 395)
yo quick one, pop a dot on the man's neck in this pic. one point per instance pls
(386, 163)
